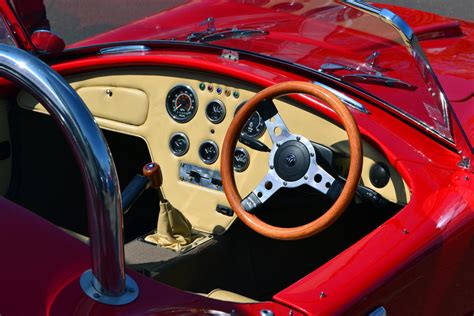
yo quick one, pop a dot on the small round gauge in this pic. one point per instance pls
(241, 159)
(255, 126)
(215, 111)
(179, 144)
(208, 152)
(181, 103)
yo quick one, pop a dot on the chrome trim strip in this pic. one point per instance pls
(414, 48)
(344, 98)
(104, 203)
(124, 49)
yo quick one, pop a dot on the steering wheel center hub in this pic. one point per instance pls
(292, 160)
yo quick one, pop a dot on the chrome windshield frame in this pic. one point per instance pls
(413, 46)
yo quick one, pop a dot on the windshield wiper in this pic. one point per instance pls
(369, 73)
(233, 33)
(379, 79)
(212, 34)
(204, 37)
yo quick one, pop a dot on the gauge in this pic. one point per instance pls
(181, 103)
(255, 126)
(208, 152)
(179, 144)
(241, 159)
(215, 111)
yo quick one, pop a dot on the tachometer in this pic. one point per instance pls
(255, 126)
(181, 103)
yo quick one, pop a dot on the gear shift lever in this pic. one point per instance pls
(152, 171)
(173, 230)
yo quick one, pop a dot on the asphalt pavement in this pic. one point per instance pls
(462, 9)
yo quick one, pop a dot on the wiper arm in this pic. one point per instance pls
(379, 79)
(330, 67)
(370, 77)
(205, 37)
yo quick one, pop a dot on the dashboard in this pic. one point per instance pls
(183, 116)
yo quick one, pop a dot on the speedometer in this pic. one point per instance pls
(181, 103)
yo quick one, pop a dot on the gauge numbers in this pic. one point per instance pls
(181, 103)
(208, 152)
(179, 144)
(241, 159)
(255, 126)
(215, 111)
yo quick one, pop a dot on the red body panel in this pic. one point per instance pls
(418, 262)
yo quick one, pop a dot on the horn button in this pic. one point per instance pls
(292, 160)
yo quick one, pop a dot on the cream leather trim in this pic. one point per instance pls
(5, 165)
(198, 204)
(223, 295)
(124, 105)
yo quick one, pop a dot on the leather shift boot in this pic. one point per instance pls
(174, 231)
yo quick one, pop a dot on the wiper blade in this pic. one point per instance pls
(379, 79)
(205, 37)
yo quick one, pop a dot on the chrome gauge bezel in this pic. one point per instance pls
(194, 111)
(178, 154)
(214, 159)
(264, 128)
(223, 113)
(246, 153)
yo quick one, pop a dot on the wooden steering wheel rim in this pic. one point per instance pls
(355, 166)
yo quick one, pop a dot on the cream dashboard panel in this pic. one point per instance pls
(109, 92)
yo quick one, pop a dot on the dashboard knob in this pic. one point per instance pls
(379, 175)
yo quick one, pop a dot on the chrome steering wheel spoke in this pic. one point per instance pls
(269, 185)
(320, 179)
(277, 129)
(292, 162)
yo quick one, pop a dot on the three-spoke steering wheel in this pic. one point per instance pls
(292, 162)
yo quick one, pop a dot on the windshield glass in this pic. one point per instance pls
(334, 37)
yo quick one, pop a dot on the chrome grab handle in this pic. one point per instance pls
(106, 282)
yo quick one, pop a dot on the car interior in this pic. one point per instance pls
(185, 234)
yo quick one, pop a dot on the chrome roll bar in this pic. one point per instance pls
(106, 282)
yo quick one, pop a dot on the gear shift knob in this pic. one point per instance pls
(152, 171)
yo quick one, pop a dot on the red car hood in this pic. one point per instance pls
(308, 33)
(317, 32)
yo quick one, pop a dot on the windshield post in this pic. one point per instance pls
(413, 46)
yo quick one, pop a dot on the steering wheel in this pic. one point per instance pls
(292, 162)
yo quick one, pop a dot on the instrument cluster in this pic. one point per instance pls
(182, 105)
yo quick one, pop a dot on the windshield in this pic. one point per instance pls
(345, 40)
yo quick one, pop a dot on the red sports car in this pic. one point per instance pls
(263, 157)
